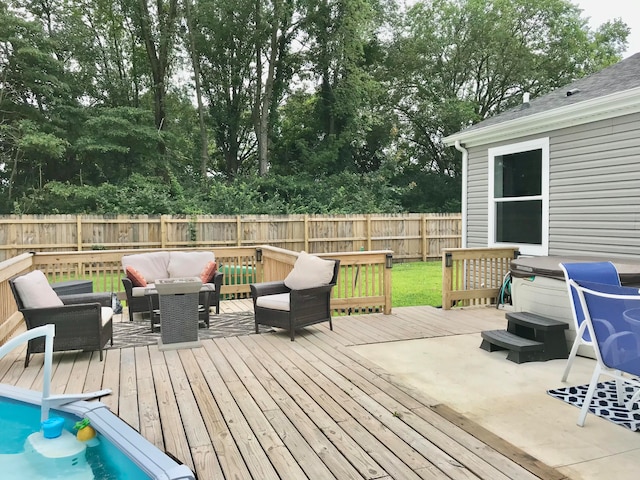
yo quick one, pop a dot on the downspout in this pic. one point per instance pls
(465, 167)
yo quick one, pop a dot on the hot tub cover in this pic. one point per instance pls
(549, 266)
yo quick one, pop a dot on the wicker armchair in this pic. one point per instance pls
(277, 305)
(84, 322)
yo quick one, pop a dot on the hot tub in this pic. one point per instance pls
(538, 286)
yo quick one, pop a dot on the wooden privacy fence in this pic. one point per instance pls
(409, 236)
(473, 276)
(364, 282)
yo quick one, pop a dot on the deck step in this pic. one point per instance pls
(521, 349)
(532, 320)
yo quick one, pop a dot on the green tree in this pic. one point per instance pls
(456, 62)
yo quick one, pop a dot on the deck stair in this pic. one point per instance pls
(528, 338)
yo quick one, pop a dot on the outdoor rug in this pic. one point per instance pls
(603, 404)
(138, 333)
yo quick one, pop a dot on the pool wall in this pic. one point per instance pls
(155, 463)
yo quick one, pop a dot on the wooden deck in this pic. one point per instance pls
(262, 407)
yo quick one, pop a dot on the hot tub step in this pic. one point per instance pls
(521, 349)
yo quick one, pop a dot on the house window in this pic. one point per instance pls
(519, 196)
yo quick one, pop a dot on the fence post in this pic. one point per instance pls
(306, 232)
(163, 231)
(79, 231)
(423, 221)
(369, 232)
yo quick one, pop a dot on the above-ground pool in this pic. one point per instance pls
(37, 446)
(120, 453)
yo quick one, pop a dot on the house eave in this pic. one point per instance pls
(608, 106)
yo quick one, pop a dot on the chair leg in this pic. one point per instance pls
(292, 333)
(574, 351)
(100, 354)
(257, 329)
(587, 399)
(330, 324)
(26, 359)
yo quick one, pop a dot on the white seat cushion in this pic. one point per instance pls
(309, 271)
(188, 264)
(279, 301)
(106, 313)
(141, 291)
(35, 291)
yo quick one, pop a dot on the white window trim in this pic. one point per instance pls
(525, 248)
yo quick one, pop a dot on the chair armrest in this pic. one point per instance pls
(103, 298)
(217, 280)
(36, 317)
(313, 291)
(268, 288)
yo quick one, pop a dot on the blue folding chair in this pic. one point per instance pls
(612, 319)
(599, 272)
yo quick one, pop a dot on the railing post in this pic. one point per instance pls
(447, 279)
(387, 283)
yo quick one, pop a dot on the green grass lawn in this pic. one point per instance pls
(417, 283)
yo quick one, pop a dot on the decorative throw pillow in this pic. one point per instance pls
(137, 279)
(35, 291)
(309, 271)
(208, 272)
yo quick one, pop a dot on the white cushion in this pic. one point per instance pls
(35, 291)
(106, 313)
(141, 291)
(279, 301)
(309, 271)
(152, 265)
(188, 264)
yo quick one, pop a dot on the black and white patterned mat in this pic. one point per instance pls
(138, 333)
(604, 403)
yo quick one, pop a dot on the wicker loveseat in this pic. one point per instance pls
(142, 269)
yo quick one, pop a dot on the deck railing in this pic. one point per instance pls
(473, 276)
(364, 283)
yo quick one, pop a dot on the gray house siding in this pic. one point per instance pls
(594, 189)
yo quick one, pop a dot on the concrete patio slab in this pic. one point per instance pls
(510, 400)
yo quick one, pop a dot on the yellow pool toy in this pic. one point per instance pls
(85, 431)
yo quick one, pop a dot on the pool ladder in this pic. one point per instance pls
(48, 401)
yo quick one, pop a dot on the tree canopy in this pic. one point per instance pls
(268, 106)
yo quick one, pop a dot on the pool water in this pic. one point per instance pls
(18, 420)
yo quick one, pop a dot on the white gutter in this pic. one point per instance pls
(601, 108)
(465, 168)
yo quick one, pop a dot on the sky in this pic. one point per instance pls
(600, 11)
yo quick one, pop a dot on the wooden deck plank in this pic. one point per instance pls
(150, 426)
(175, 439)
(261, 407)
(229, 457)
(388, 417)
(343, 443)
(255, 457)
(128, 395)
(111, 379)
(330, 386)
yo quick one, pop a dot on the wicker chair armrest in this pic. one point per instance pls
(267, 288)
(313, 291)
(36, 317)
(103, 298)
(217, 280)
